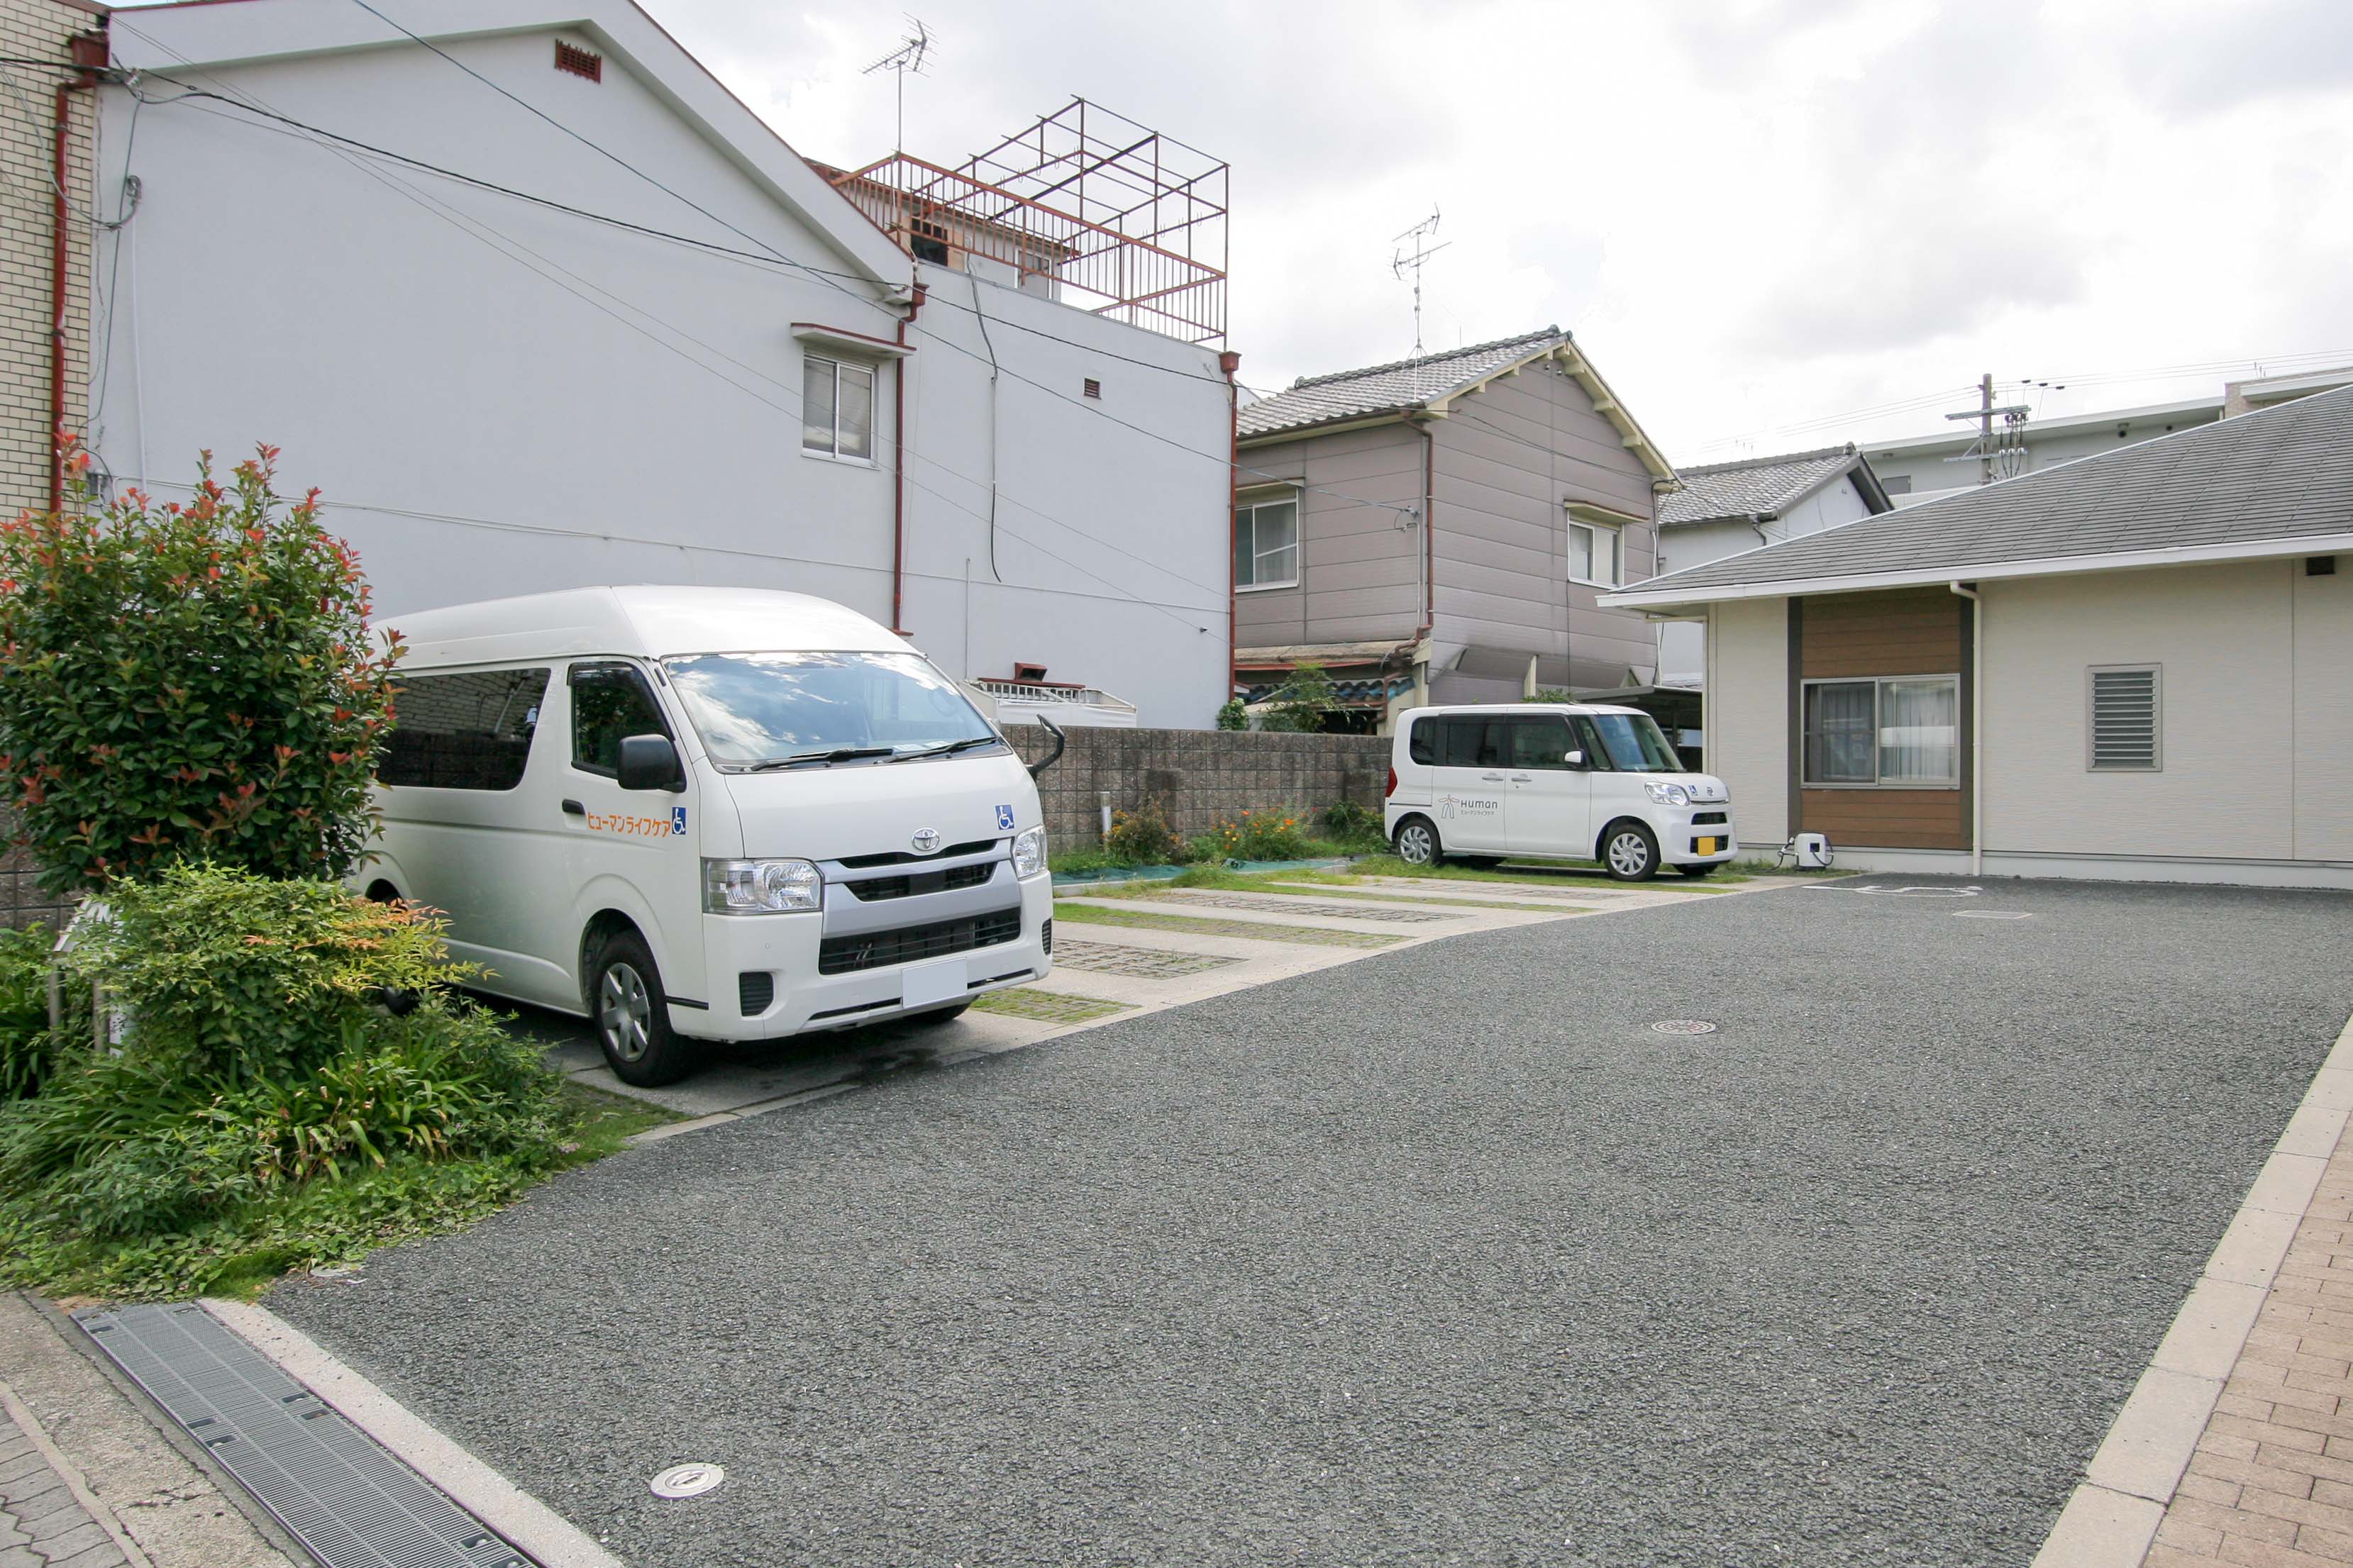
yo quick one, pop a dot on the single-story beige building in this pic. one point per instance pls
(2136, 666)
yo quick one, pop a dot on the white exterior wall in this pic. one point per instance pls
(497, 398)
(1111, 562)
(2257, 722)
(1682, 645)
(1749, 715)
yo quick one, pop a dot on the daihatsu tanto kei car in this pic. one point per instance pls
(705, 814)
(1551, 781)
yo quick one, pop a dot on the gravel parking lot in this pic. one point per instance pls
(1444, 1256)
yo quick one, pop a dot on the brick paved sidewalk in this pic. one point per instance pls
(2270, 1482)
(45, 1521)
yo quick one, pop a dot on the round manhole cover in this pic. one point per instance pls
(687, 1480)
(1682, 1027)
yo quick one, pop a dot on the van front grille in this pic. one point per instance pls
(875, 889)
(908, 944)
(903, 857)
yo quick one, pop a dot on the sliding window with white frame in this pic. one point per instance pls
(1266, 543)
(1900, 732)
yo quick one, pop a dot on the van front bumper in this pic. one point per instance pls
(766, 982)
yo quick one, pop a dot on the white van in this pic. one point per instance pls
(694, 813)
(1551, 781)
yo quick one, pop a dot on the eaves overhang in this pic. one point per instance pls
(1697, 598)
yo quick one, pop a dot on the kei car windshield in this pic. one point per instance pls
(768, 710)
(1635, 744)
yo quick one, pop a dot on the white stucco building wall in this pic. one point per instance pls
(498, 397)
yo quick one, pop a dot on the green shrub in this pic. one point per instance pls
(1355, 828)
(1300, 703)
(1233, 714)
(25, 1049)
(1142, 837)
(184, 680)
(1276, 834)
(238, 977)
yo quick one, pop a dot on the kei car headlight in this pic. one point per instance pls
(759, 887)
(1030, 853)
(1669, 795)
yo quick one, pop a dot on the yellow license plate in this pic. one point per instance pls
(1704, 845)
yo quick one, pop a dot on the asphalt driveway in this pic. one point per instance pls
(1441, 1257)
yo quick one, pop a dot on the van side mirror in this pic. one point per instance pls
(1575, 759)
(650, 761)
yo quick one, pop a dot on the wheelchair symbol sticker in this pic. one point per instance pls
(677, 819)
(1005, 819)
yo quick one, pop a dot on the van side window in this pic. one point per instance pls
(1469, 743)
(461, 731)
(609, 701)
(1423, 744)
(1539, 743)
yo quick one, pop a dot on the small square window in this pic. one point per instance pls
(1266, 545)
(1596, 555)
(837, 409)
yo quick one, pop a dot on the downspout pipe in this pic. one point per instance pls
(89, 54)
(1976, 726)
(1230, 360)
(1429, 533)
(899, 471)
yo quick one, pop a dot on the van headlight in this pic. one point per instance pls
(1030, 853)
(1669, 795)
(759, 887)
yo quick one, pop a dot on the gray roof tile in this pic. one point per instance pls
(1755, 487)
(1386, 388)
(2285, 472)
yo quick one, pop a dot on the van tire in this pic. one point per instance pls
(1629, 851)
(1416, 842)
(631, 1013)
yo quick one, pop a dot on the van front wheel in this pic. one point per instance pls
(1416, 842)
(1629, 852)
(631, 1013)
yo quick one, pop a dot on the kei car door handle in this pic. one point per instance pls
(574, 809)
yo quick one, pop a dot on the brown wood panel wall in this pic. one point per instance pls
(1921, 632)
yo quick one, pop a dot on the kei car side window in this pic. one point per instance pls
(1539, 743)
(1422, 746)
(1469, 743)
(609, 701)
(1597, 757)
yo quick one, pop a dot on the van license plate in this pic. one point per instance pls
(929, 982)
(1702, 846)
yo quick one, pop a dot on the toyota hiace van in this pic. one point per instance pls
(1551, 781)
(705, 814)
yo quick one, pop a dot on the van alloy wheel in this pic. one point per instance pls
(1417, 844)
(1630, 855)
(624, 1012)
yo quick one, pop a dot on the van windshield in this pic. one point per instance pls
(1634, 743)
(759, 710)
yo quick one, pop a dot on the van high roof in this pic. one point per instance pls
(647, 621)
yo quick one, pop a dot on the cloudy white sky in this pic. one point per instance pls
(1773, 222)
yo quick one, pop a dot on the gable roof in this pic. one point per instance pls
(1759, 488)
(2278, 481)
(204, 34)
(1426, 385)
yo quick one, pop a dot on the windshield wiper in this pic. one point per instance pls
(838, 754)
(951, 748)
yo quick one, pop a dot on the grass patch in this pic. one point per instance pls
(607, 1121)
(1048, 1006)
(1070, 911)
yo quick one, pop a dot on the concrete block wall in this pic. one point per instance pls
(22, 902)
(1198, 776)
(40, 30)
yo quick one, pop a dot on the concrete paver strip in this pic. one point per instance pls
(1235, 923)
(1431, 1259)
(1143, 962)
(1290, 906)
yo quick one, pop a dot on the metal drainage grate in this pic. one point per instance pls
(350, 1503)
(1682, 1027)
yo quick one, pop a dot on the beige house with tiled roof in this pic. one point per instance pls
(1439, 529)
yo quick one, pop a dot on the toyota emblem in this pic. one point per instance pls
(926, 840)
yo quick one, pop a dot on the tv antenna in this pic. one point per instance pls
(911, 57)
(1420, 251)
